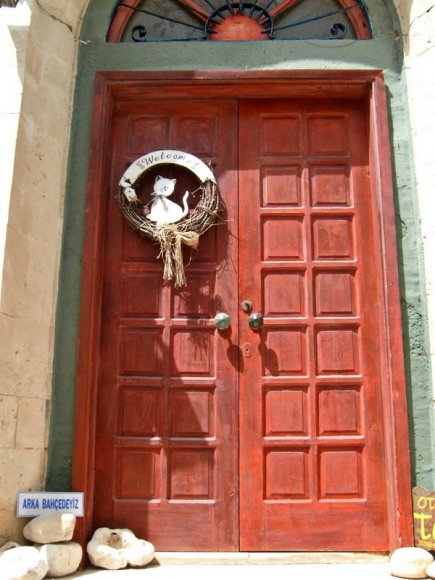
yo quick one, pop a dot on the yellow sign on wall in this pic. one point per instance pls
(424, 518)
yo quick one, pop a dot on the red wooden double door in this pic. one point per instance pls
(240, 439)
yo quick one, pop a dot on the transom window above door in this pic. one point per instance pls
(212, 20)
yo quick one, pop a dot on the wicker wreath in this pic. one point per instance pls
(187, 230)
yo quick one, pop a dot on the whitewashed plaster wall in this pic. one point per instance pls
(31, 224)
(420, 64)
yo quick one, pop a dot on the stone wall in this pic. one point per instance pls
(34, 217)
(33, 236)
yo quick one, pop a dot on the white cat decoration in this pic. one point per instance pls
(164, 211)
(168, 224)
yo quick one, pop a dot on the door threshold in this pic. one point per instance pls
(268, 558)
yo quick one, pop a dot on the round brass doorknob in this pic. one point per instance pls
(222, 321)
(255, 320)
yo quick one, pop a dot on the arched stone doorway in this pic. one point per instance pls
(169, 59)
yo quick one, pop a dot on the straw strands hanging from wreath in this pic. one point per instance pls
(161, 219)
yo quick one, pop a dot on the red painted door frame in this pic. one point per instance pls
(368, 85)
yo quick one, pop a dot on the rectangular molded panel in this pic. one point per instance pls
(281, 186)
(191, 474)
(141, 351)
(286, 411)
(283, 238)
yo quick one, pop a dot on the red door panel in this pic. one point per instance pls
(166, 459)
(312, 463)
(298, 241)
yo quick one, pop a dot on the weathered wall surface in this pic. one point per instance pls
(35, 219)
(14, 25)
(420, 61)
(33, 233)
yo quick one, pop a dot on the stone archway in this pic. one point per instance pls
(33, 247)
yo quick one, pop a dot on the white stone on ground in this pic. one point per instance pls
(410, 563)
(430, 570)
(62, 559)
(116, 549)
(50, 528)
(140, 553)
(22, 563)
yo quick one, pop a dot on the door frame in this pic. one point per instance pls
(369, 85)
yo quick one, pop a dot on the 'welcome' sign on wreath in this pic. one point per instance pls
(162, 219)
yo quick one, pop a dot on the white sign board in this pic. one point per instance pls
(38, 503)
(198, 167)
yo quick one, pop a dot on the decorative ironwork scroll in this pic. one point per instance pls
(211, 20)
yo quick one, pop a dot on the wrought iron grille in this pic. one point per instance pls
(204, 20)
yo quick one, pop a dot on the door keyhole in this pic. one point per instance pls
(246, 306)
